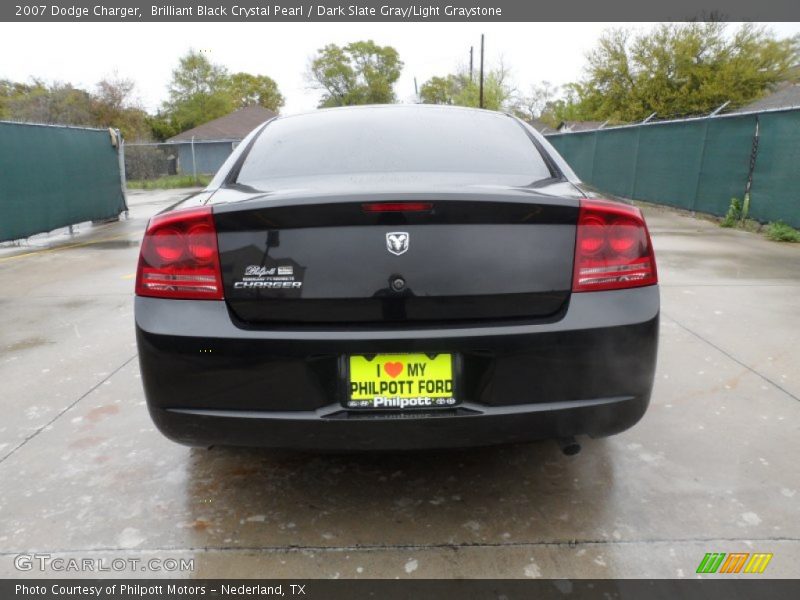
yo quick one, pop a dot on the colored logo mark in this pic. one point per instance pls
(735, 562)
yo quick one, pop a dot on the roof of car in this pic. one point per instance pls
(409, 108)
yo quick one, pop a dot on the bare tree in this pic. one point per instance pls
(532, 105)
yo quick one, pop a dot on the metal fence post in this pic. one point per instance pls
(749, 185)
(121, 159)
(635, 169)
(194, 163)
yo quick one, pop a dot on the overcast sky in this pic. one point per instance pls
(83, 53)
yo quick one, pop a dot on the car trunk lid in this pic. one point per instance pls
(330, 260)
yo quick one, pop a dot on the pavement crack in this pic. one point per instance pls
(413, 547)
(66, 409)
(731, 356)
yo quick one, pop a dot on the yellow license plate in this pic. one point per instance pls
(401, 381)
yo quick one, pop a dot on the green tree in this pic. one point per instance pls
(460, 90)
(56, 103)
(201, 91)
(678, 69)
(161, 126)
(439, 90)
(198, 109)
(197, 92)
(10, 91)
(358, 73)
(254, 90)
(194, 75)
(111, 105)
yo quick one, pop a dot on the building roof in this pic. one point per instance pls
(233, 126)
(542, 128)
(786, 95)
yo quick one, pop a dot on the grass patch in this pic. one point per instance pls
(736, 217)
(751, 225)
(169, 182)
(734, 214)
(781, 232)
(777, 231)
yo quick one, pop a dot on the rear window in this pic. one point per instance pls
(393, 139)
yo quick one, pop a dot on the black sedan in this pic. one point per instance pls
(392, 277)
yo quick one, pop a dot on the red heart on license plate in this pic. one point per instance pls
(393, 369)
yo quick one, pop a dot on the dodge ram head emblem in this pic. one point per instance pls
(397, 242)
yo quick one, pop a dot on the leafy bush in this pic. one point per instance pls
(781, 232)
(734, 214)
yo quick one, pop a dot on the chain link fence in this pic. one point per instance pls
(150, 161)
(153, 164)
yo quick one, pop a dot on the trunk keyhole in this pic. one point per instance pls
(398, 284)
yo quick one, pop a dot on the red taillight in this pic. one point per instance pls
(179, 257)
(397, 207)
(612, 249)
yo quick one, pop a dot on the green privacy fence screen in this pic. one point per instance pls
(696, 164)
(51, 177)
(776, 179)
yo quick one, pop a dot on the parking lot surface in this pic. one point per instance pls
(713, 466)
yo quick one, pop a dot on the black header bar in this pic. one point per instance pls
(397, 10)
(541, 589)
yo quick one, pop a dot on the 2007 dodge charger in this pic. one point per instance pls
(396, 277)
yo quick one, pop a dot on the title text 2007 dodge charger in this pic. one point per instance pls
(395, 277)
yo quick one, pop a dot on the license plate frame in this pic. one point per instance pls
(414, 401)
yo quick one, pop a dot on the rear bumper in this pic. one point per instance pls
(336, 429)
(209, 382)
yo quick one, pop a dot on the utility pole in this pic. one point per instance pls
(480, 103)
(416, 90)
(471, 48)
